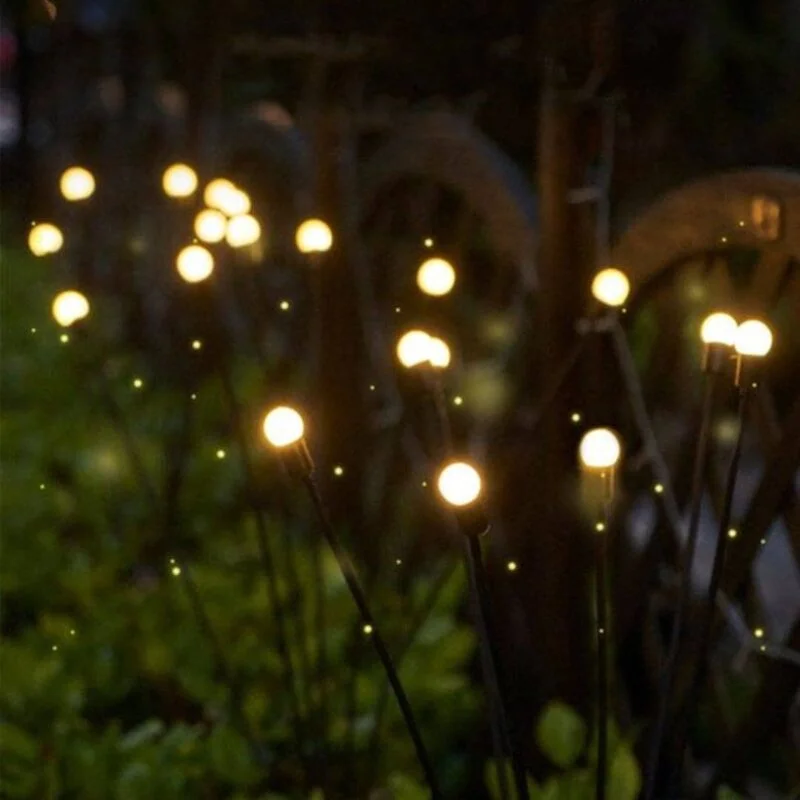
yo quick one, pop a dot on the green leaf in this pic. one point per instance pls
(625, 777)
(561, 734)
(231, 757)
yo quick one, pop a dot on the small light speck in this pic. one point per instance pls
(659, 488)
(763, 648)
(338, 470)
(741, 223)
(138, 383)
(732, 533)
(763, 542)
(601, 631)
(368, 629)
(176, 571)
(424, 484)
(196, 344)
(754, 385)
(42, 486)
(724, 239)
(458, 400)
(193, 396)
(172, 561)
(575, 416)
(33, 330)
(55, 647)
(512, 566)
(285, 305)
(64, 338)
(758, 633)
(600, 527)
(624, 310)
(372, 387)
(72, 632)
(397, 309)
(428, 242)
(398, 561)
(220, 453)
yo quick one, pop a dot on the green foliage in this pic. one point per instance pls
(561, 735)
(112, 685)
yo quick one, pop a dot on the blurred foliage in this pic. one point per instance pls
(111, 685)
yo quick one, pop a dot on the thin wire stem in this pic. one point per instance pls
(699, 668)
(491, 664)
(349, 574)
(668, 673)
(601, 612)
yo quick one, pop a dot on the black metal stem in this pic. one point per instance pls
(601, 611)
(349, 574)
(668, 674)
(491, 664)
(700, 666)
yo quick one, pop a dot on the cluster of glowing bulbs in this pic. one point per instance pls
(750, 338)
(416, 347)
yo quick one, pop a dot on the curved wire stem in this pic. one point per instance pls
(353, 584)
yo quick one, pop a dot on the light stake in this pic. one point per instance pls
(599, 453)
(284, 429)
(717, 334)
(752, 343)
(460, 486)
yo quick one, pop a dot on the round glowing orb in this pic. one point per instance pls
(313, 236)
(413, 348)
(77, 183)
(438, 353)
(210, 225)
(69, 307)
(599, 449)
(718, 328)
(459, 483)
(194, 263)
(611, 287)
(242, 230)
(179, 180)
(436, 277)
(283, 426)
(753, 338)
(45, 239)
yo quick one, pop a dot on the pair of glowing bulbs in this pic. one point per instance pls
(180, 180)
(459, 483)
(750, 338)
(417, 347)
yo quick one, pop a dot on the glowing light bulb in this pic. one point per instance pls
(77, 183)
(438, 353)
(179, 180)
(283, 426)
(459, 484)
(217, 192)
(210, 225)
(413, 348)
(611, 287)
(242, 230)
(313, 236)
(235, 202)
(436, 277)
(599, 449)
(194, 263)
(69, 307)
(45, 239)
(753, 338)
(718, 328)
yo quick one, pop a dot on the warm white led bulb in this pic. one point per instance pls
(179, 180)
(217, 193)
(236, 202)
(210, 225)
(194, 263)
(438, 353)
(718, 328)
(313, 236)
(599, 449)
(611, 287)
(45, 239)
(413, 348)
(436, 277)
(753, 338)
(69, 307)
(459, 484)
(77, 183)
(242, 230)
(283, 426)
